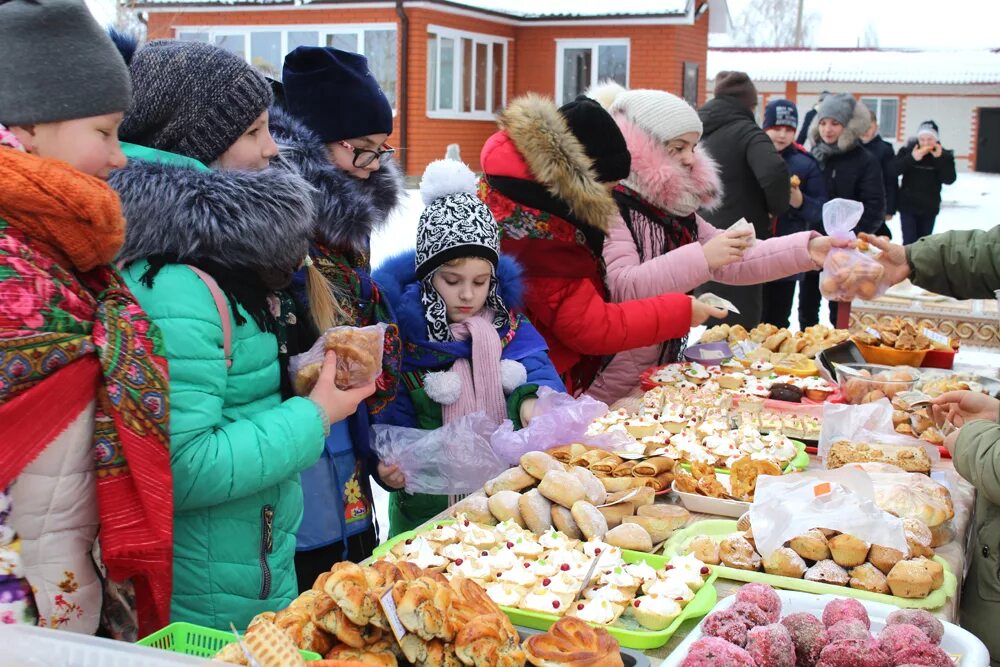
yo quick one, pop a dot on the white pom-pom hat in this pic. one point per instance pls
(455, 223)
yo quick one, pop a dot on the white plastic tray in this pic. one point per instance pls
(695, 502)
(956, 641)
(29, 646)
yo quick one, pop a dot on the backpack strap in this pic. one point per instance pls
(220, 304)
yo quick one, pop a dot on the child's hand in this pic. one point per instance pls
(391, 476)
(338, 404)
(700, 312)
(527, 410)
(727, 247)
(961, 407)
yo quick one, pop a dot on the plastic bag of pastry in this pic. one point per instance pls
(359, 357)
(559, 419)
(452, 460)
(848, 272)
(868, 423)
(843, 500)
(908, 495)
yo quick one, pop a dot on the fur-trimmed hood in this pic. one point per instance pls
(663, 181)
(555, 158)
(347, 209)
(851, 136)
(257, 220)
(397, 278)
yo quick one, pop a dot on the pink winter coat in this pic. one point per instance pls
(630, 276)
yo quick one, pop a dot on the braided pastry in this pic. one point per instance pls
(573, 643)
(348, 587)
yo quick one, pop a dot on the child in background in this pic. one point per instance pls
(925, 166)
(333, 133)
(83, 405)
(464, 350)
(805, 211)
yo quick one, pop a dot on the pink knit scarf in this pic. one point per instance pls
(482, 387)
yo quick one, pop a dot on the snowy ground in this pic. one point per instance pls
(973, 202)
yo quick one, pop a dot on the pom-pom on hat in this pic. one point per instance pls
(455, 222)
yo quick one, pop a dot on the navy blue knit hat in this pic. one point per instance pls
(335, 94)
(781, 112)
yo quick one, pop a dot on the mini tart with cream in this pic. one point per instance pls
(525, 547)
(554, 539)
(480, 538)
(642, 571)
(459, 551)
(674, 423)
(696, 373)
(562, 584)
(762, 368)
(505, 594)
(693, 570)
(543, 567)
(619, 578)
(543, 600)
(509, 530)
(502, 560)
(642, 427)
(609, 593)
(427, 559)
(653, 612)
(518, 576)
(442, 535)
(475, 568)
(673, 589)
(596, 611)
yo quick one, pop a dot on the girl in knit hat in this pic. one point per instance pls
(83, 409)
(333, 134)
(214, 238)
(464, 350)
(659, 243)
(925, 166)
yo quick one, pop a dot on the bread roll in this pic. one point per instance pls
(592, 487)
(659, 528)
(615, 513)
(572, 642)
(592, 523)
(630, 536)
(675, 515)
(536, 511)
(562, 487)
(537, 464)
(504, 505)
(475, 508)
(513, 479)
(563, 520)
(639, 496)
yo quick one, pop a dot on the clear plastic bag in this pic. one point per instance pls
(848, 272)
(843, 500)
(559, 419)
(868, 422)
(452, 460)
(359, 358)
(908, 495)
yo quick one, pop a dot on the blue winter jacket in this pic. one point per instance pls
(809, 217)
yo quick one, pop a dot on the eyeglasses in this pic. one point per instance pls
(365, 156)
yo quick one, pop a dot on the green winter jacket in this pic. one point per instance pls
(236, 447)
(966, 265)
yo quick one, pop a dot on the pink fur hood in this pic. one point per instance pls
(665, 183)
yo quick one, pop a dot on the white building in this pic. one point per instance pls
(959, 90)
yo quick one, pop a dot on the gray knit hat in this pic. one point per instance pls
(56, 63)
(192, 98)
(839, 107)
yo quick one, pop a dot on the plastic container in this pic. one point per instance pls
(939, 359)
(695, 502)
(709, 354)
(855, 387)
(719, 529)
(956, 641)
(30, 646)
(887, 356)
(797, 464)
(191, 639)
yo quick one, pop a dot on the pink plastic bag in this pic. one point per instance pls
(559, 419)
(848, 272)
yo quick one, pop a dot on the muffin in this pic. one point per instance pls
(848, 551)
(910, 579)
(785, 562)
(867, 577)
(705, 549)
(812, 545)
(827, 572)
(737, 552)
(884, 558)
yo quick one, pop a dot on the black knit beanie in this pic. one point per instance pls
(602, 140)
(738, 86)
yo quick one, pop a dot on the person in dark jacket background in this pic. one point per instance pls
(807, 196)
(755, 180)
(925, 166)
(883, 151)
(850, 172)
(807, 121)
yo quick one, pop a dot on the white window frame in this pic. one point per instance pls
(878, 111)
(593, 44)
(457, 78)
(322, 30)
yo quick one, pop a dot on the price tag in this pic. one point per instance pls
(821, 489)
(389, 607)
(873, 332)
(712, 354)
(936, 337)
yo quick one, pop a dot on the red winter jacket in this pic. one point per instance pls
(565, 295)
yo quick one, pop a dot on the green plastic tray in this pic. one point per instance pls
(191, 639)
(798, 463)
(700, 605)
(718, 528)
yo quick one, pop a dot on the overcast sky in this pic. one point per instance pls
(899, 23)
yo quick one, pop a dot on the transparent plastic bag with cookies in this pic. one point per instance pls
(842, 500)
(359, 357)
(848, 272)
(872, 423)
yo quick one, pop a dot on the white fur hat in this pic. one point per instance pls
(656, 112)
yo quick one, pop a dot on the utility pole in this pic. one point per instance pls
(798, 26)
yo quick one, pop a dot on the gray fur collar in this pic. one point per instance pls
(238, 219)
(348, 209)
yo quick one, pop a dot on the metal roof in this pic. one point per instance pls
(860, 65)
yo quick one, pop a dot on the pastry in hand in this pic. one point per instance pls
(358, 354)
(735, 551)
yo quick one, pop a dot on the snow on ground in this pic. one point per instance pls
(973, 202)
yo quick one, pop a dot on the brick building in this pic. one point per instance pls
(449, 65)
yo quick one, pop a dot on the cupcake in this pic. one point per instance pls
(696, 374)
(817, 389)
(654, 613)
(609, 593)
(543, 600)
(518, 576)
(597, 611)
(761, 369)
(505, 594)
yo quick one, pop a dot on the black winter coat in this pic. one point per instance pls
(922, 181)
(886, 156)
(755, 180)
(856, 174)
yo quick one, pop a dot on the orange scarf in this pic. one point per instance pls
(76, 215)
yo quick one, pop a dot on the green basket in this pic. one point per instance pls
(191, 639)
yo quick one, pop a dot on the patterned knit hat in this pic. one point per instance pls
(454, 224)
(656, 112)
(192, 98)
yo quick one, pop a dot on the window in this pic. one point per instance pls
(690, 86)
(265, 48)
(581, 64)
(466, 74)
(886, 112)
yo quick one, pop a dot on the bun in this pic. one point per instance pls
(537, 464)
(536, 511)
(571, 642)
(658, 528)
(475, 508)
(614, 514)
(563, 520)
(595, 492)
(504, 505)
(512, 479)
(591, 522)
(630, 536)
(561, 487)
